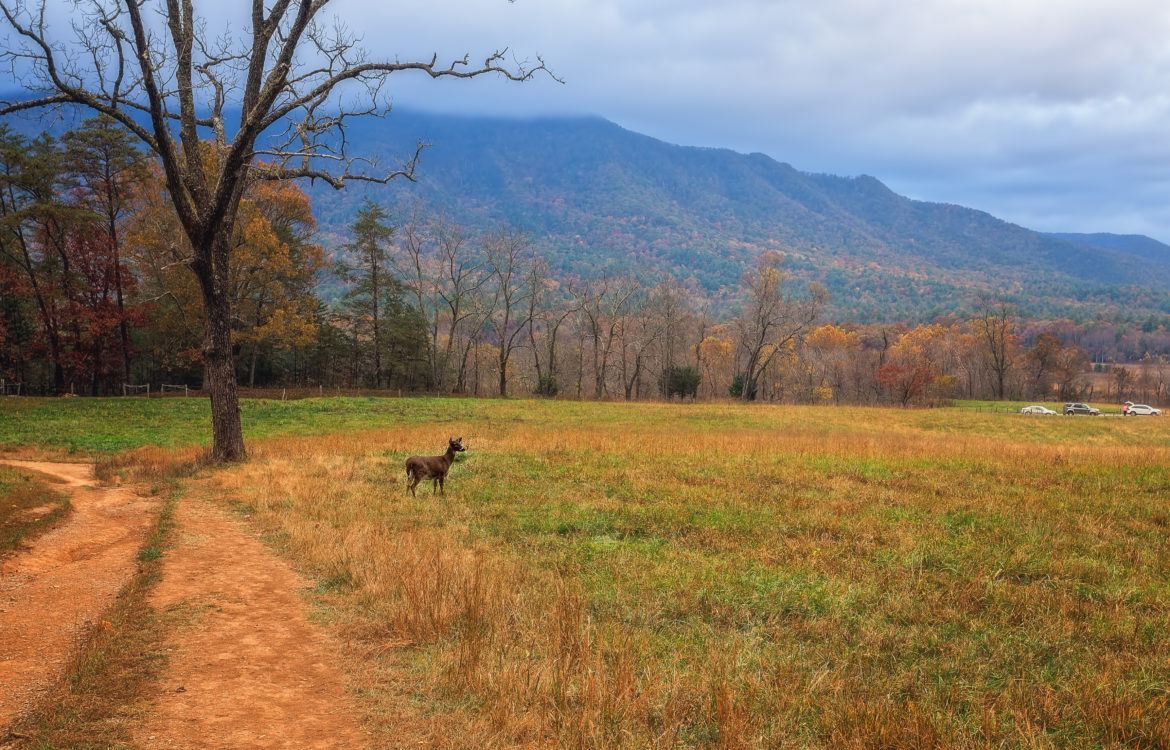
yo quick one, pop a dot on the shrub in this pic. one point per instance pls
(681, 381)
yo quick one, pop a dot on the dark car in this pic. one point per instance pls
(1078, 408)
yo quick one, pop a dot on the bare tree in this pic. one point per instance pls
(461, 276)
(641, 329)
(418, 274)
(771, 319)
(995, 331)
(509, 260)
(285, 75)
(548, 309)
(470, 335)
(437, 264)
(603, 305)
(669, 303)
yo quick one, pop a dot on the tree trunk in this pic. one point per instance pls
(123, 331)
(93, 375)
(476, 355)
(252, 366)
(219, 365)
(377, 331)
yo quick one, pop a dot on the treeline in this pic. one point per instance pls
(97, 293)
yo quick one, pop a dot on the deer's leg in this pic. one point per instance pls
(441, 490)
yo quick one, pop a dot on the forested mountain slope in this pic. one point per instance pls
(597, 196)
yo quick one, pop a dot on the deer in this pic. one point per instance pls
(434, 468)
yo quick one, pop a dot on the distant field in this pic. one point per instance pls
(109, 425)
(638, 575)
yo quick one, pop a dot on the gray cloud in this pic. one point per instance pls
(1051, 114)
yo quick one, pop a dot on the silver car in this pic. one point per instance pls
(1142, 410)
(1036, 409)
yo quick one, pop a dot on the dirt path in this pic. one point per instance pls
(246, 667)
(51, 592)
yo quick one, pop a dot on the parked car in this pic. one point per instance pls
(1036, 409)
(1142, 410)
(1079, 408)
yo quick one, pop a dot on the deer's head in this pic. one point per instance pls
(455, 445)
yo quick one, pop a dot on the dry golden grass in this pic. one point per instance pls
(720, 576)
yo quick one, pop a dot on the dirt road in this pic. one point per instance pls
(246, 667)
(51, 592)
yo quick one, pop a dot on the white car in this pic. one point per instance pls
(1036, 409)
(1142, 410)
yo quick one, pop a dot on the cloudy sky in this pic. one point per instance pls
(1051, 113)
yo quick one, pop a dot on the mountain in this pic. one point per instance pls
(596, 196)
(1134, 244)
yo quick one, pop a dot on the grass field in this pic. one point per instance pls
(650, 575)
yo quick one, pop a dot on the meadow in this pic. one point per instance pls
(710, 575)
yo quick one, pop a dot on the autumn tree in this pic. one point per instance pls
(828, 352)
(917, 367)
(1069, 372)
(272, 276)
(716, 359)
(173, 85)
(995, 333)
(770, 320)
(640, 331)
(275, 271)
(107, 166)
(59, 253)
(669, 305)
(1042, 361)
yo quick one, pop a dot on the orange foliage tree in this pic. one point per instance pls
(273, 267)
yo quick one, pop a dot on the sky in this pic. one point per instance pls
(1054, 114)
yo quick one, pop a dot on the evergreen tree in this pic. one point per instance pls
(373, 306)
